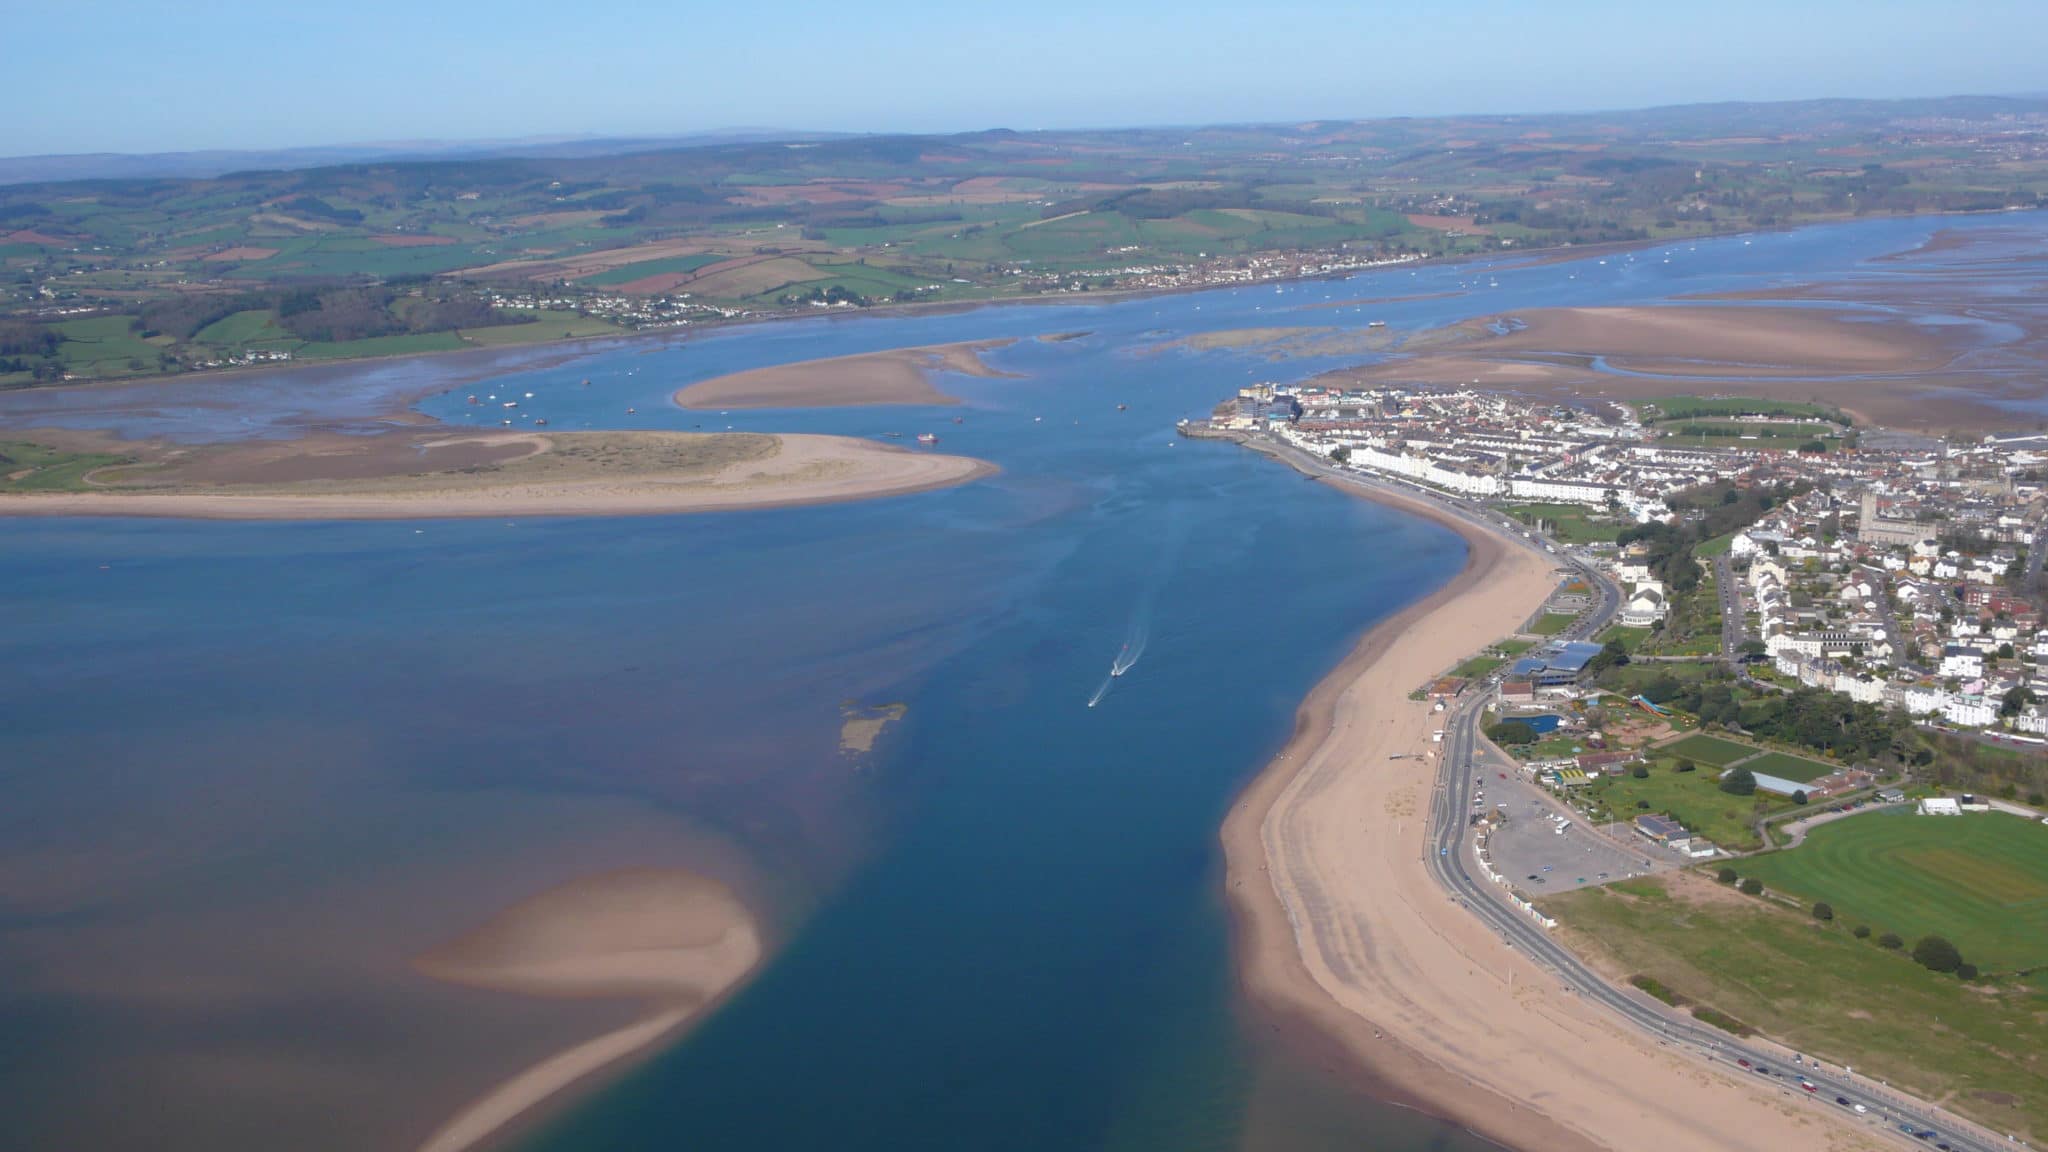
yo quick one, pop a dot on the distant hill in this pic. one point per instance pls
(204, 165)
(116, 266)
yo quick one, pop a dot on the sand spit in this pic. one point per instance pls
(675, 939)
(1283, 343)
(446, 473)
(896, 376)
(1341, 927)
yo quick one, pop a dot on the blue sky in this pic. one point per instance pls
(125, 76)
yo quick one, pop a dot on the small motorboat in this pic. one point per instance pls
(927, 438)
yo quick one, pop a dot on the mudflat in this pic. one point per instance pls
(446, 473)
(894, 376)
(1879, 367)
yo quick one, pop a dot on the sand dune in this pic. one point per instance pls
(897, 376)
(1343, 928)
(506, 474)
(676, 939)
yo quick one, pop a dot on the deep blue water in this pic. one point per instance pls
(250, 769)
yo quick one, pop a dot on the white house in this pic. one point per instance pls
(1940, 806)
(1970, 712)
(1962, 662)
(1645, 607)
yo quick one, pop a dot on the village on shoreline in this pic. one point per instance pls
(1767, 619)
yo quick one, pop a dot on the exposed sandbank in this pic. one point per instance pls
(448, 473)
(1281, 343)
(1342, 928)
(1878, 366)
(675, 939)
(895, 376)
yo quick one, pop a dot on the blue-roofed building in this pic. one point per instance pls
(1555, 664)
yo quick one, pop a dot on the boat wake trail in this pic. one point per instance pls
(1139, 631)
(1127, 656)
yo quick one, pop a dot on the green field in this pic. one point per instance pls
(1551, 623)
(1727, 433)
(1786, 766)
(1631, 638)
(1712, 751)
(1571, 523)
(626, 274)
(549, 326)
(1709, 407)
(105, 346)
(256, 324)
(1478, 666)
(1981, 880)
(1818, 989)
(26, 467)
(1694, 799)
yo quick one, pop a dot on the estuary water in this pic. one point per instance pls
(251, 770)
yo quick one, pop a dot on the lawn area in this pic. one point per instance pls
(1712, 751)
(1708, 549)
(1551, 623)
(26, 467)
(1980, 879)
(1789, 767)
(1820, 990)
(1478, 666)
(1710, 407)
(1694, 799)
(551, 326)
(1631, 638)
(1515, 647)
(1571, 523)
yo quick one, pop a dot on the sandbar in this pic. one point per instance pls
(894, 376)
(1342, 930)
(675, 939)
(1878, 366)
(445, 472)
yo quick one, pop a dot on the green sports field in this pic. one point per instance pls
(1786, 766)
(1980, 879)
(1709, 750)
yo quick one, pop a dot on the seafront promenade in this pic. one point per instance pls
(1449, 856)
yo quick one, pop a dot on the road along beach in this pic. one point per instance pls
(1342, 929)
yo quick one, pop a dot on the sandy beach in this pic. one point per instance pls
(671, 938)
(444, 473)
(896, 376)
(1342, 930)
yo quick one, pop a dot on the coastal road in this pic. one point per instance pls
(1452, 861)
(1731, 607)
